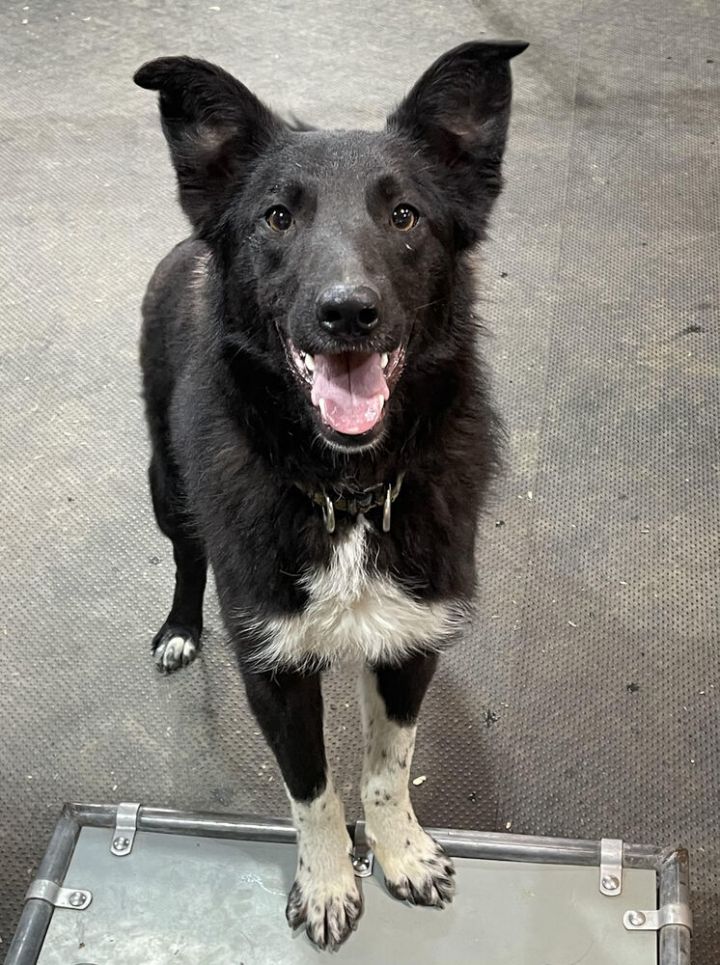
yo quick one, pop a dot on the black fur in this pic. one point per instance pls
(403, 687)
(231, 424)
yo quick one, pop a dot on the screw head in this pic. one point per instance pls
(636, 918)
(121, 844)
(610, 883)
(77, 899)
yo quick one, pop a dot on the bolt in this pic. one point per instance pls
(121, 844)
(610, 883)
(636, 918)
(77, 899)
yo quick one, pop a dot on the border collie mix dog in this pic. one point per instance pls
(321, 434)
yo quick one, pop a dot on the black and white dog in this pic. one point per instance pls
(321, 433)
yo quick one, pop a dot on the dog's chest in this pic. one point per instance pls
(355, 612)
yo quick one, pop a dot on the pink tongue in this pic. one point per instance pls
(350, 389)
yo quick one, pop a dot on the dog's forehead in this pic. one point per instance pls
(328, 157)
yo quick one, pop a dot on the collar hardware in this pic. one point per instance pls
(355, 502)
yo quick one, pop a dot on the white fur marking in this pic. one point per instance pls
(175, 652)
(414, 865)
(325, 894)
(200, 270)
(199, 276)
(353, 612)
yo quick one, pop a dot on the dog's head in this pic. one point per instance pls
(339, 250)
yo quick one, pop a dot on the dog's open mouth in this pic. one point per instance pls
(350, 389)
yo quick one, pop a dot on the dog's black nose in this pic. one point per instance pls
(348, 311)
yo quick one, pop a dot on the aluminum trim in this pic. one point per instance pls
(671, 865)
(77, 899)
(674, 889)
(36, 914)
(611, 867)
(125, 828)
(458, 843)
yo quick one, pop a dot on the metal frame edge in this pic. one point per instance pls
(37, 913)
(671, 865)
(674, 889)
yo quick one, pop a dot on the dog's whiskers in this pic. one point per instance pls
(437, 301)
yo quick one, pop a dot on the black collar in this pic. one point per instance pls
(354, 501)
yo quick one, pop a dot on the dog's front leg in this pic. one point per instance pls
(325, 895)
(416, 868)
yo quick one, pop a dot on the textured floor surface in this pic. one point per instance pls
(584, 699)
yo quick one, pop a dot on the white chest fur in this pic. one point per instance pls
(353, 612)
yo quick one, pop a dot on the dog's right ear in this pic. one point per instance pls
(215, 128)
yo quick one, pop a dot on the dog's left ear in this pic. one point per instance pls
(215, 128)
(458, 113)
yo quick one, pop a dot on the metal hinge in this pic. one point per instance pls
(45, 890)
(125, 828)
(362, 856)
(658, 918)
(611, 866)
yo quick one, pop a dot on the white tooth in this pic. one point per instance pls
(322, 405)
(384, 359)
(382, 401)
(309, 363)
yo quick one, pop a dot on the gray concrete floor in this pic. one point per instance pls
(584, 698)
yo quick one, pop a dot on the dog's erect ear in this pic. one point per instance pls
(458, 112)
(214, 126)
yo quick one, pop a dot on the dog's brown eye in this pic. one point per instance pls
(405, 217)
(279, 218)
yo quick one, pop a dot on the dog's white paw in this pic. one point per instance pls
(325, 896)
(328, 907)
(415, 866)
(174, 648)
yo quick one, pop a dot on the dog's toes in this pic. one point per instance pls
(174, 647)
(329, 917)
(296, 908)
(330, 925)
(430, 891)
(420, 873)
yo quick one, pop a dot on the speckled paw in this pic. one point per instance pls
(418, 870)
(329, 911)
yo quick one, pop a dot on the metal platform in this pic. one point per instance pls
(584, 695)
(132, 885)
